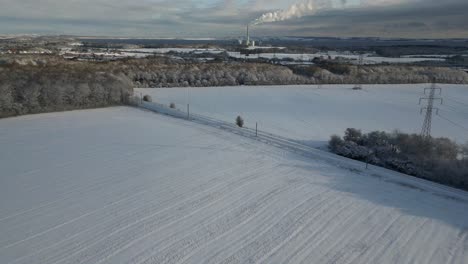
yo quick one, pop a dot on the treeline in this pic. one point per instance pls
(33, 84)
(155, 72)
(161, 71)
(437, 159)
(337, 73)
(27, 89)
(147, 73)
(398, 51)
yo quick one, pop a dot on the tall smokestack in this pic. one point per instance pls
(248, 36)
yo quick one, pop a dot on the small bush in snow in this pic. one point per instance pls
(239, 121)
(147, 98)
(172, 105)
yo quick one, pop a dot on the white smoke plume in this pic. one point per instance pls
(295, 11)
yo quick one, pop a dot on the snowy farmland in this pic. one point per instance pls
(122, 185)
(310, 114)
(368, 58)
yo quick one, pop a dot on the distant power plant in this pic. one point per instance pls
(247, 42)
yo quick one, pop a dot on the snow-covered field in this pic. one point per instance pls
(181, 50)
(312, 114)
(122, 185)
(367, 59)
(301, 57)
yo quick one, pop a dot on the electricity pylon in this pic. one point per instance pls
(427, 125)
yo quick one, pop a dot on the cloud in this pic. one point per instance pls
(415, 19)
(224, 18)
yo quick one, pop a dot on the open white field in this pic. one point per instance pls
(368, 58)
(312, 114)
(122, 185)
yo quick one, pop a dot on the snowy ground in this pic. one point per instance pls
(297, 57)
(312, 114)
(368, 58)
(122, 185)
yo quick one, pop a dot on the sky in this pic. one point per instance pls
(228, 18)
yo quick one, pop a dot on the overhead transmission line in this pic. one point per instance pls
(453, 122)
(456, 101)
(455, 111)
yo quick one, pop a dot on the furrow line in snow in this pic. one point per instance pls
(460, 246)
(301, 239)
(61, 179)
(249, 230)
(45, 209)
(389, 240)
(128, 234)
(315, 231)
(221, 224)
(132, 217)
(158, 237)
(287, 226)
(103, 221)
(74, 219)
(32, 227)
(340, 233)
(250, 237)
(78, 189)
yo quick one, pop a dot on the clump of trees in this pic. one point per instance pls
(28, 89)
(436, 159)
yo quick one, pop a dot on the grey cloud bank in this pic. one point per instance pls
(176, 18)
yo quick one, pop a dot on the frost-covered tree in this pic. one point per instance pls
(436, 159)
(58, 86)
(354, 135)
(335, 142)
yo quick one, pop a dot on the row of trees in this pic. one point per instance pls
(436, 159)
(27, 89)
(32, 84)
(148, 73)
(152, 73)
(335, 73)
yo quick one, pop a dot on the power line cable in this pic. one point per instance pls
(456, 112)
(456, 109)
(456, 101)
(453, 122)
